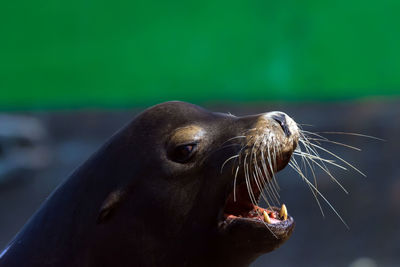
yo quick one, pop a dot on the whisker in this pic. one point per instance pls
(304, 133)
(336, 143)
(321, 159)
(355, 134)
(298, 170)
(304, 124)
(263, 165)
(270, 193)
(333, 178)
(322, 196)
(234, 183)
(226, 161)
(233, 138)
(310, 149)
(248, 183)
(255, 173)
(315, 182)
(336, 156)
(272, 170)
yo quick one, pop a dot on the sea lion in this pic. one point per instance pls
(177, 186)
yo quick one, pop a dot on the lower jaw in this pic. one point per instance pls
(244, 237)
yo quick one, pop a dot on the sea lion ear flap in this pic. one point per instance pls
(109, 205)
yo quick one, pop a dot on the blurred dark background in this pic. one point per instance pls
(72, 73)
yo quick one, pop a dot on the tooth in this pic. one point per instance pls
(266, 217)
(283, 212)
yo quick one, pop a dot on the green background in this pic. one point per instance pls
(105, 54)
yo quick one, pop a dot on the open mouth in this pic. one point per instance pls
(240, 209)
(266, 149)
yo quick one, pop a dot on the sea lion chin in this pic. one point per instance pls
(177, 186)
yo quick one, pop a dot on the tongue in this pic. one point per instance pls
(257, 213)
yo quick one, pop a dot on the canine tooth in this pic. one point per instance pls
(283, 212)
(266, 217)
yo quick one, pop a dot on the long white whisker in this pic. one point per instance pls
(321, 159)
(310, 149)
(336, 156)
(298, 170)
(319, 193)
(336, 143)
(233, 138)
(315, 182)
(226, 161)
(354, 134)
(234, 183)
(333, 178)
(258, 179)
(271, 165)
(248, 183)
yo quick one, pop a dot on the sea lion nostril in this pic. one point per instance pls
(281, 119)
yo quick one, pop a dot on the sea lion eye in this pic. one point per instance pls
(183, 153)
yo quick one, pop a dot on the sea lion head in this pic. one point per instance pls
(177, 186)
(198, 176)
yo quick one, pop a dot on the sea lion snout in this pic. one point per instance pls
(275, 134)
(290, 129)
(287, 123)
